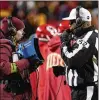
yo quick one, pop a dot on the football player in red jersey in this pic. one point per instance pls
(56, 88)
(44, 34)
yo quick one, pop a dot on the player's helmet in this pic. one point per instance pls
(46, 32)
(63, 25)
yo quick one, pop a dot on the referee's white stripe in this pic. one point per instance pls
(70, 75)
(96, 45)
(75, 79)
(90, 90)
(95, 71)
(87, 35)
(66, 73)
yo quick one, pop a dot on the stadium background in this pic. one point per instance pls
(35, 13)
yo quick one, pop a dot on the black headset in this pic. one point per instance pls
(11, 29)
(78, 18)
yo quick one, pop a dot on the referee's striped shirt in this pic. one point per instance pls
(82, 62)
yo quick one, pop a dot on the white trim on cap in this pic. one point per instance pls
(68, 18)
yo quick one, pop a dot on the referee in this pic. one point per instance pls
(80, 54)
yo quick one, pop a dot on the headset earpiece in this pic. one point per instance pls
(11, 29)
(78, 18)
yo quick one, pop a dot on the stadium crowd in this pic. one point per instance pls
(40, 12)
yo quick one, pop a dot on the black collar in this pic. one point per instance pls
(81, 31)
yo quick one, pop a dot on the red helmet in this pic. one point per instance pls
(63, 25)
(15, 22)
(46, 32)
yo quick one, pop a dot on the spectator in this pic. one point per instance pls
(5, 9)
(12, 82)
(42, 8)
(30, 23)
(95, 17)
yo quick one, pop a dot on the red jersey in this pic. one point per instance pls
(53, 90)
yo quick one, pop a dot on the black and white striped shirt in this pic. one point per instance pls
(82, 61)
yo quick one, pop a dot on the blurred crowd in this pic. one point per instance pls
(35, 13)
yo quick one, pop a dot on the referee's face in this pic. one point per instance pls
(72, 24)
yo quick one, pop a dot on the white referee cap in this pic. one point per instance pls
(83, 13)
